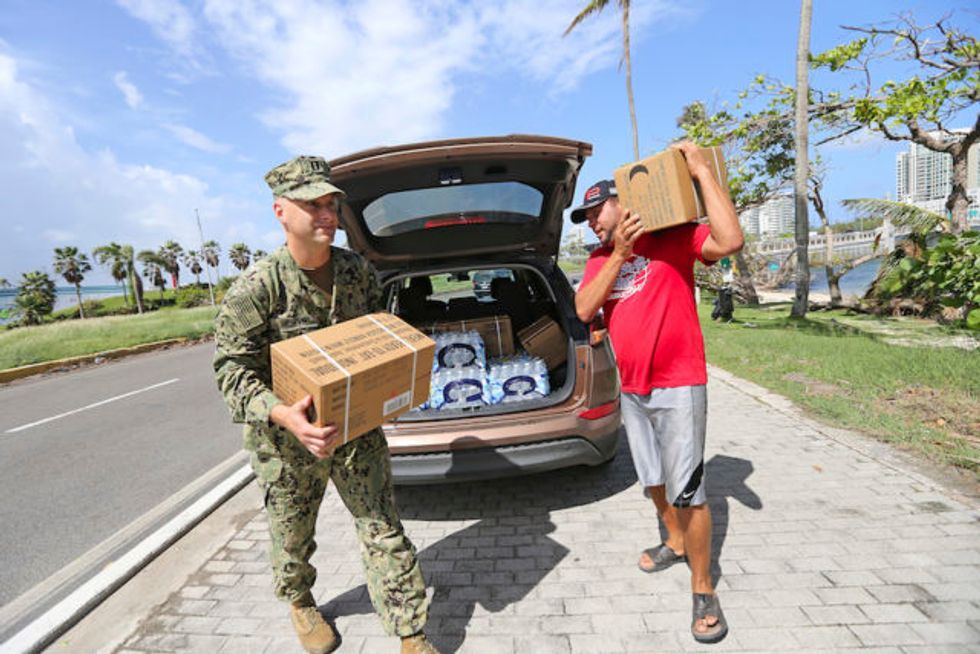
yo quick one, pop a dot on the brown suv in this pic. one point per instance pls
(440, 219)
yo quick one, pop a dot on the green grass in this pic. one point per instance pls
(68, 338)
(847, 370)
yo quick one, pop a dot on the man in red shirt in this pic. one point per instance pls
(644, 283)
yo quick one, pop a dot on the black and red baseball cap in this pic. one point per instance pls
(594, 196)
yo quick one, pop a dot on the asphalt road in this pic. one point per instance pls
(83, 454)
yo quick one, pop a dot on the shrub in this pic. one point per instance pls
(188, 297)
(947, 274)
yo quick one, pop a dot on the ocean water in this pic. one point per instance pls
(65, 296)
(855, 282)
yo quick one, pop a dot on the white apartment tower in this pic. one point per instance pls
(924, 177)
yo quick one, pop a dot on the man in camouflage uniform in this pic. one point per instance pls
(305, 285)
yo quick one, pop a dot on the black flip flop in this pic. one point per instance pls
(704, 605)
(662, 556)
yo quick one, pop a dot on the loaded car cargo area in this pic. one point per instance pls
(501, 346)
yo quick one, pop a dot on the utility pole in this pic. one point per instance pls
(200, 233)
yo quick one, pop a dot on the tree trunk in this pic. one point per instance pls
(833, 285)
(78, 294)
(629, 78)
(802, 299)
(137, 289)
(744, 274)
(958, 201)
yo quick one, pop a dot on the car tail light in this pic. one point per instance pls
(600, 411)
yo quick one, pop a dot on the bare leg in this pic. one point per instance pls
(667, 513)
(695, 524)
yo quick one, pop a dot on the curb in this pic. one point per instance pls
(55, 621)
(10, 374)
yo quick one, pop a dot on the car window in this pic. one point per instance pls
(446, 206)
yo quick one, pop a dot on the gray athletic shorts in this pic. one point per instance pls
(665, 430)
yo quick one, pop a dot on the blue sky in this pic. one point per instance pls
(119, 118)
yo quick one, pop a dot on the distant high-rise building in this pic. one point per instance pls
(775, 217)
(924, 177)
(749, 220)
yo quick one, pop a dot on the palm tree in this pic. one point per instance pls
(72, 265)
(171, 252)
(210, 250)
(126, 254)
(240, 255)
(111, 255)
(4, 283)
(802, 172)
(153, 267)
(258, 254)
(594, 7)
(192, 259)
(35, 298)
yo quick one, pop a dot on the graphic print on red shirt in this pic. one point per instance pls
(650, 312)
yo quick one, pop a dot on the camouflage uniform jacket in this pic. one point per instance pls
(271, 301)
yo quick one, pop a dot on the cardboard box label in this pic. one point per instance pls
(661, 191)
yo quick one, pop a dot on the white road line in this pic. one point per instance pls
(91, 406)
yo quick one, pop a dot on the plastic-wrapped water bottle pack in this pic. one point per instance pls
(458, 388)
(462, 378)
(517, 378)
(459, 350)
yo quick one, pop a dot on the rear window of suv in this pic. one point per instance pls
(448, 206)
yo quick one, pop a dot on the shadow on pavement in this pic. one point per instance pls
(502, 557)
(726, 477)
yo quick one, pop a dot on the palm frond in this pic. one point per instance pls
(593, 7)
(898, 213)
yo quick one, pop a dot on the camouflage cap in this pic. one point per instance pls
(302, 178)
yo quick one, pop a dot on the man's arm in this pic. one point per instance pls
(241, 365)
(726, 233)
(590, 298)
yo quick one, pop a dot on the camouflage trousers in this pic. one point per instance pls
(361, 473)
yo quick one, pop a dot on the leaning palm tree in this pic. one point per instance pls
(35, 298)
(594, 7)
(126, 254)
(153, 267)
(111, 255)
(898, 215)
(170, 252)
(192, 259)
(240, 255)
(72, 265)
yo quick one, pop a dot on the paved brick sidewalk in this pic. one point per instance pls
(827, 542)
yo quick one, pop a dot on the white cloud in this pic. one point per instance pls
(65, 194)
(197, 140)
(173, 24)
(354, 75)
(132, 94)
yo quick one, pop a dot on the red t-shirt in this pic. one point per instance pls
(650, 312)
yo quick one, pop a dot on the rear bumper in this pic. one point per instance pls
(503, 461)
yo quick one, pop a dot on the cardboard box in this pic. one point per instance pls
(497, 332)
(661, 191)
(361, 373)
(544, 338)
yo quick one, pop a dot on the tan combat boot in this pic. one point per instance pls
(315, 634)
(418, 644)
